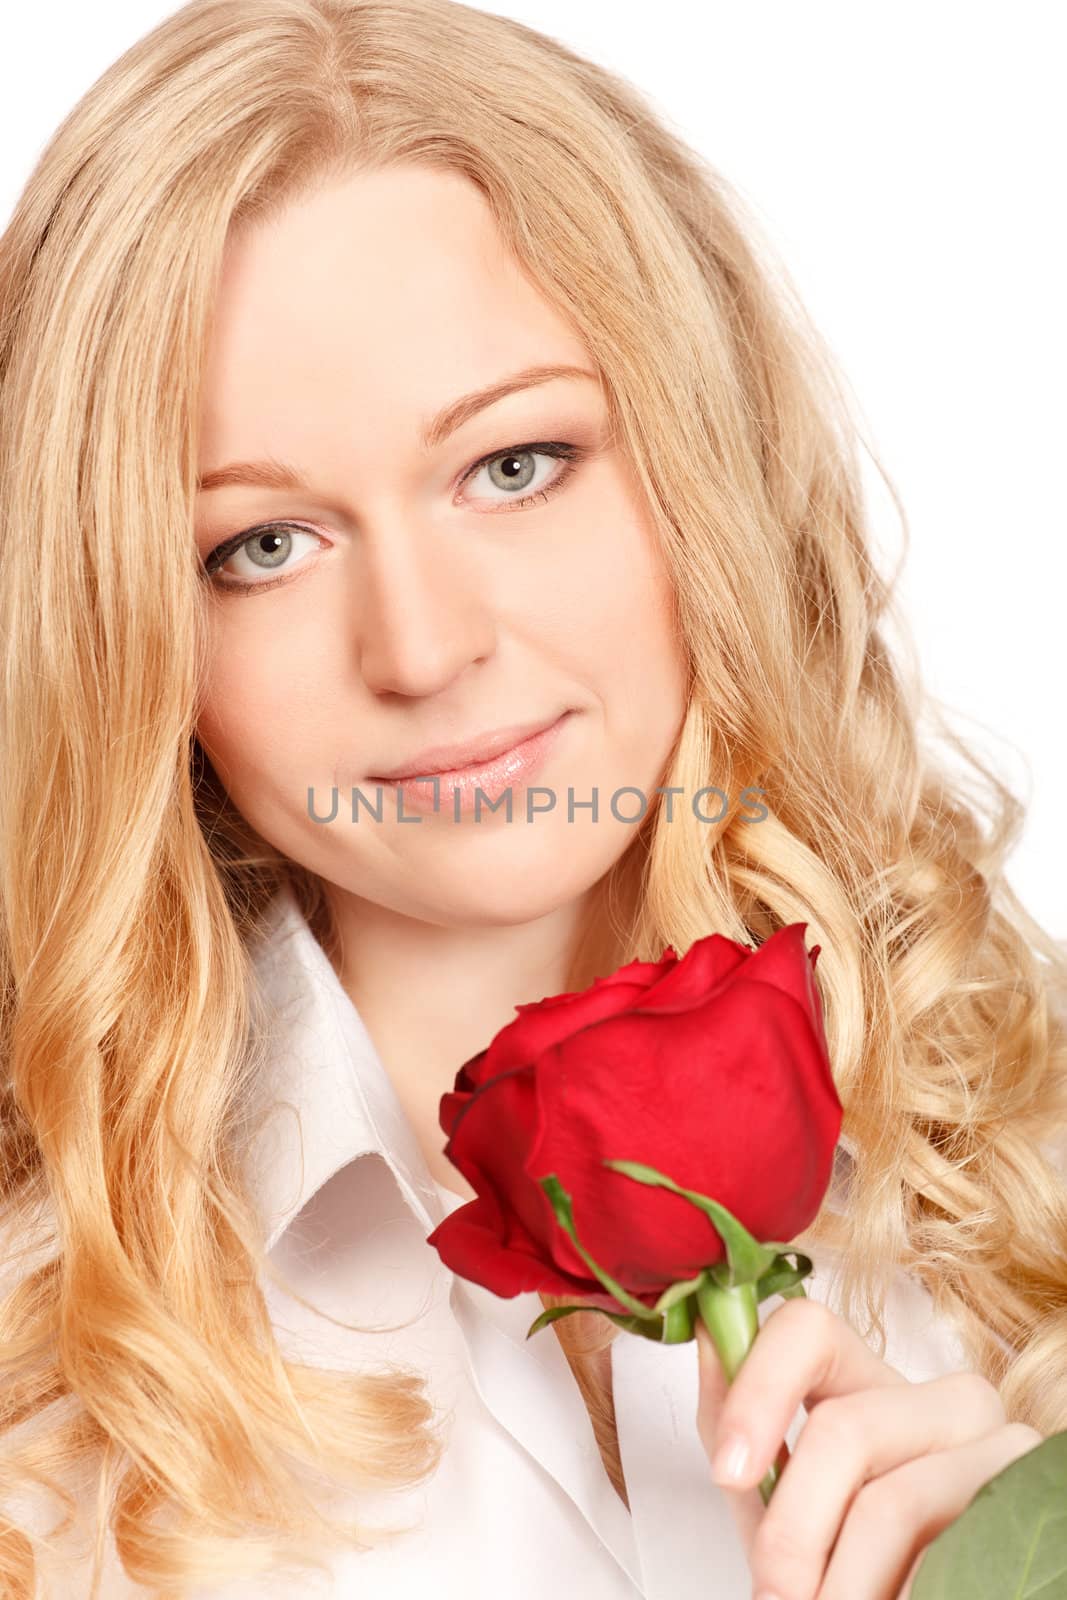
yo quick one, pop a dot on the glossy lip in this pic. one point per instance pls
(462, 789)
(450, 760)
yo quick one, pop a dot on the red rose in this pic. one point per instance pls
(712, 1069)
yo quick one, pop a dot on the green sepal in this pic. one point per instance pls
(784, 1279)
(679, 1291)
(780, 1278)
(678, 1321)
(561, 1205)
(748, 1259)
(639, 1325)
(671, 1320)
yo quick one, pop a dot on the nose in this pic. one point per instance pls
(421, 619)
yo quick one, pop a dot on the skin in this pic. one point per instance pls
(424, 610)
(411, 611)
(880, 1466)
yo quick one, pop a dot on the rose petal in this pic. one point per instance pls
(783, 961)
(536, 1030)
(490, 1142)
(468, 1242)
(705, 965)
(635, 1088)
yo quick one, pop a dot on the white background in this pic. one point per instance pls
(907, 162)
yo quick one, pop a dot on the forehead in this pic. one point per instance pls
(389, 290)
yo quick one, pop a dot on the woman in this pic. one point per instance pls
(425, 269)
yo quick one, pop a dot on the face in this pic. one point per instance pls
(412, 592)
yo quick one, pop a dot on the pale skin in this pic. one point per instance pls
(412, 606)
(880, 1466)
(421, 607)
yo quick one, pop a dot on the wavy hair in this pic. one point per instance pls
(135, 1342)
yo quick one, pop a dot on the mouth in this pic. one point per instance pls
(489, 777)
(473, 756)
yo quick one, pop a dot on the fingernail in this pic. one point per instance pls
(730, 1459)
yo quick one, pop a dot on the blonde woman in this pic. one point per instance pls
(301, 304)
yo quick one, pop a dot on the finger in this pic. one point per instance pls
(894, 1518)
(845, 1442)
(745, 1505)
(714, 1385)
(803, 1352)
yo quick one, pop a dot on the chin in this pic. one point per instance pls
(503, 893)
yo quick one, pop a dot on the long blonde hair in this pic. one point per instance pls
(131, 890)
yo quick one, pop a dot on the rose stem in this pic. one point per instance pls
(729, 1314)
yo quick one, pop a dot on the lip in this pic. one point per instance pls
(448, 760)
(489, 778)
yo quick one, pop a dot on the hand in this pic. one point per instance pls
(880, 1466)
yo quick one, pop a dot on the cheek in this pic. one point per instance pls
(654, 671)
(642, 667)
(231, 691)
(626, 605)
(256, 704)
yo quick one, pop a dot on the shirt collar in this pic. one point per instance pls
(334, 1100)
(337, 1103)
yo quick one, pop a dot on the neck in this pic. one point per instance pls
(431, 997)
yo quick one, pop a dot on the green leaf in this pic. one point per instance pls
(1010, 1543)
(561, 1205)
(747, 1257)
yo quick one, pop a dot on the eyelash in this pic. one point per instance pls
(570, 455)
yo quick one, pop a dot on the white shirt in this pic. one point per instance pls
(520, 1504)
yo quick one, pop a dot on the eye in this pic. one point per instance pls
(265, 550)
(514, 470)
(268, 547)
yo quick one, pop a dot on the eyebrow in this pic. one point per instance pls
(275, 474)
